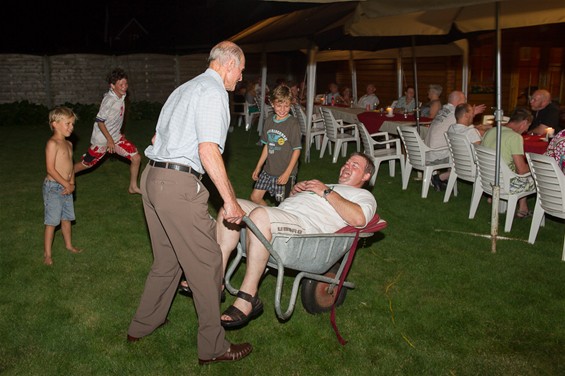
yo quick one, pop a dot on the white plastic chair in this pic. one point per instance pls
(489, 119)
(416, 158)
(485, 158)
(464, 166)
(550, 186)
(241, 110)
(391, 151)
(338, 133)
(317, 131)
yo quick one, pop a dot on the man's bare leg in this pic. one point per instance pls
(257, 257)
(227, 237)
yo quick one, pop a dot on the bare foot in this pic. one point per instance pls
(134, 190)
(240, 304)
(47, 260)
(74, 250)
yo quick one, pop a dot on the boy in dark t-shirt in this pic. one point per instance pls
(278, 164)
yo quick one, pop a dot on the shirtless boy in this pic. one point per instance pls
(59, 183)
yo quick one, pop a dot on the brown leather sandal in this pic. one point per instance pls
(238, 318)
(234, 353)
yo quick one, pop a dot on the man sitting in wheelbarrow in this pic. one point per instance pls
(312, 207)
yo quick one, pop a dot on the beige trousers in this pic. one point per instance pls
(183, 238)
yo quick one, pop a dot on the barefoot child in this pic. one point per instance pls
(107, 136)
(59, 183)
(282, 144)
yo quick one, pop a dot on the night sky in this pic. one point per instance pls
(166, 26)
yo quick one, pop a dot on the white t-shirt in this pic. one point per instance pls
(370, 99)
(111, 113)
(435, 137)
(470, 132)
(319, 216)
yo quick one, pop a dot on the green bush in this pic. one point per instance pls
(23, 113)
(86, 112)
(143, 110)
(26, 113)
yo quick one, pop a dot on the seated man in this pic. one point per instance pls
(332, 97)
(442, 121)
(512, 153)
(313, 207)
(546, 113)
(369, 99)
(464, 115)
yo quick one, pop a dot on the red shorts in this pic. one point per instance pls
(94, 154)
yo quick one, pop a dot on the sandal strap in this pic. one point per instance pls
(234, 313)
(248, 298)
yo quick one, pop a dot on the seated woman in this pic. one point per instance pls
(295, 91)
(556, 149)
(406, 103)
(345, 97)
(431, 108)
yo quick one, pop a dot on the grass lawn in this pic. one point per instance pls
(429, 298)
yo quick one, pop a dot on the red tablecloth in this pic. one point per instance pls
(535, 144)
(373, 120)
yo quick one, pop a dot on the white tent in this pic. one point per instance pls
(320, 28)
(383, 18)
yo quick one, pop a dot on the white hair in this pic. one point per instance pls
(224, 51)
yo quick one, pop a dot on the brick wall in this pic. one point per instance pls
(80, 78)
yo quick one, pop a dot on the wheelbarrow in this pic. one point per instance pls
(317, 259)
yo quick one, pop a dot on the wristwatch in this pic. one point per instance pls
(327, 191)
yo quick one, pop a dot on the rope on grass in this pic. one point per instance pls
(404, 336)
(488, 236)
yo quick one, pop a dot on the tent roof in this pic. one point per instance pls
(450, 49)
(321, 27)
(375, 18)
(356, 25)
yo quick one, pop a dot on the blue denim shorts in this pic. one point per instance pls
(57, 206)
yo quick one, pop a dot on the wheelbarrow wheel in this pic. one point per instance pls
(315, 295)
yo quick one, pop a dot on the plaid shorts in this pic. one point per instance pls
(268, 183)
(94, 154)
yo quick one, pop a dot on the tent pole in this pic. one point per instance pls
(465, 69)
(353, 69)
(310, 93)
(498, 117)
(417, 111)
(399, 73)
(263, 92)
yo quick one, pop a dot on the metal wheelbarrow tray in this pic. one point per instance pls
(315, 256)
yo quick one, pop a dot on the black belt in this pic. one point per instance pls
(176, 167)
